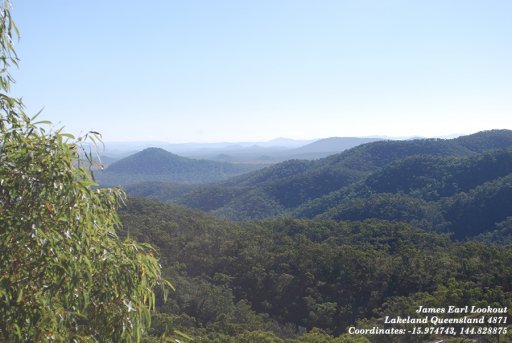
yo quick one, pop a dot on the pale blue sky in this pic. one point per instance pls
(240, 70)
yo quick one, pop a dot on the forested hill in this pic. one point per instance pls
(242, 282)
(464, 195)
(373, 155)
(155, 164)
(309, 188)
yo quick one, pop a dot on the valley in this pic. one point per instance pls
(377, 230)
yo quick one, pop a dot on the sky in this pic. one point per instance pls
(239, 70)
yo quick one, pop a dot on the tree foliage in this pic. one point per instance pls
(289, 276)
(65, 276)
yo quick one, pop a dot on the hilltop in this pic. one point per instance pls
(156, 164)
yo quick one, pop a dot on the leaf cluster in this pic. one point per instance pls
(65, 276)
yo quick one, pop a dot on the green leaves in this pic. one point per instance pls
(66, 271)
(65, 276)
(8, 57)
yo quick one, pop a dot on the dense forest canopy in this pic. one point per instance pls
(289, 276)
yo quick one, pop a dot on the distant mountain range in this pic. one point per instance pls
(159, 165)
(329, 146)
(268, 153)
(276, 150)
(126, 148)
(462, 185)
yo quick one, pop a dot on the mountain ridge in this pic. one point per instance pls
(290, 185)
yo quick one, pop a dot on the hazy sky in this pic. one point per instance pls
(218, 70)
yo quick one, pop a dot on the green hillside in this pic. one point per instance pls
(306, 187)
(283, 277)
(155, 164)
(460, 186)
(465, 196)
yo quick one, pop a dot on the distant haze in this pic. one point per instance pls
(231, 70)
(260, 153)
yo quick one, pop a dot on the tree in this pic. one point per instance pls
(65, 276)
(257, 337)
(317, 336)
